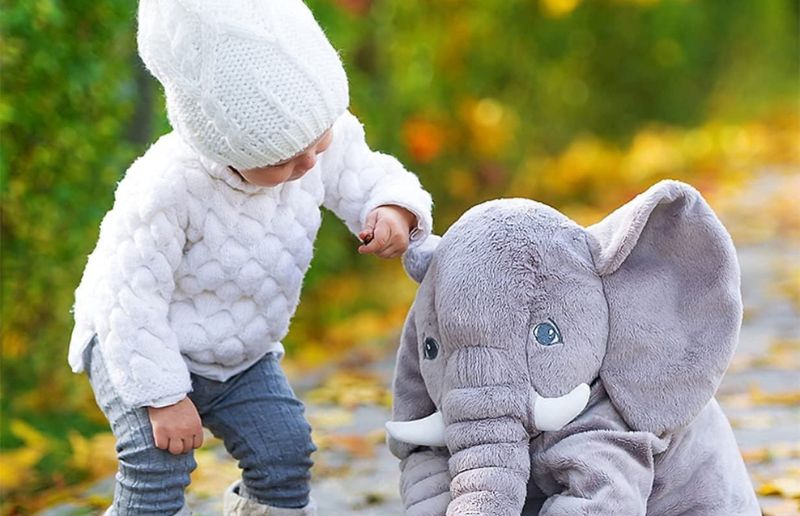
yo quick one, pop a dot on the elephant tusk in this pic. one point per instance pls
(551, 414)
(428, 431)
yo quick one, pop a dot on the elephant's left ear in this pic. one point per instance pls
(417, 259)
(671, 278)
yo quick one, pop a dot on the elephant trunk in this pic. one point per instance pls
(489, 446)
(485, 417)
(487, 423)
(488, 431)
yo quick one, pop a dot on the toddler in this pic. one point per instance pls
(183, 304)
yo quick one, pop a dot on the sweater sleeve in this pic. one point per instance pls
(357, 180)
(139, 347)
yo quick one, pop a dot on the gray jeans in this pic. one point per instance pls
(256, 415)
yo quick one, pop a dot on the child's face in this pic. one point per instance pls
(291, 169)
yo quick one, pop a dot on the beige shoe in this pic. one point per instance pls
(236, 505)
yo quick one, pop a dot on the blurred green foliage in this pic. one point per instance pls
(463, 91)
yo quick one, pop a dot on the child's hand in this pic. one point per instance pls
(387, 231)
(176, 428)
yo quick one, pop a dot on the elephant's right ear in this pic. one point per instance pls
(671, 279)
(410, 398)
(416, 260)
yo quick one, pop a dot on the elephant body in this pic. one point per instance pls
(697, 470)
(547, 368)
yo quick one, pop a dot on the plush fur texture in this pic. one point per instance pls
(197, 270)
(644, 307)
(671, 277)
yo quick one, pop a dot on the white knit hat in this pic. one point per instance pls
(249, 83)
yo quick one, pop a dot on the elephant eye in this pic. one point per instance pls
(547, 333)
(431, 348)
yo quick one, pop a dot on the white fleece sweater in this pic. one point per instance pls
(196, 270)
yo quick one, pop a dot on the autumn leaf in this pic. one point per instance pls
(95, 455)
(787, 487)
(781, 354)
(215, 470)
(357, 7)
(423, 138)
(355, 445)
(761, 397)
(326, 419)
(773, 452)
(559, 8)
(351, 388)
(17, 466)
(491, 126)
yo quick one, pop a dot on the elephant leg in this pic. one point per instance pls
(425, 482)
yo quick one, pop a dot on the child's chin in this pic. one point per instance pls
(267, 182)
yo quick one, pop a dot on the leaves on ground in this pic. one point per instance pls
(351, 388)
(785, 486)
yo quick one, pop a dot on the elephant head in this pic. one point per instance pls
(520, 310)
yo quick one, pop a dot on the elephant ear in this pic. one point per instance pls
(410, 398)
(417, 259)
(671, 278)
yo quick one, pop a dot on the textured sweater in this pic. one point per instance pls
(197, 271)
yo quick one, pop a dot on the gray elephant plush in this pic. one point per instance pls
(547, 368)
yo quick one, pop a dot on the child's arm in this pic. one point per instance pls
(372, 192)
(144, 240)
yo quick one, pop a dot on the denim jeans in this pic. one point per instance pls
(255, 413)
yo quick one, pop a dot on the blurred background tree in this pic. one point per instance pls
(576, 103)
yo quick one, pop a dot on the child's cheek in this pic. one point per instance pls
(268, 176)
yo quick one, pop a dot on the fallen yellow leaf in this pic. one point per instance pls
(353, 444)
(16, 467)
(351, 388)
(761, 397)
(786, 487)
(333, 418)
(756, 455)
(215, 471)
(96, 455)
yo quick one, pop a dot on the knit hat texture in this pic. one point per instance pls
(249, 83)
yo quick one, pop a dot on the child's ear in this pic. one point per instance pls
(417, 259)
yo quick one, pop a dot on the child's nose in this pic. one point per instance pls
(308, 160)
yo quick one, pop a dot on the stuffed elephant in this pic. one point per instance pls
(547, 368)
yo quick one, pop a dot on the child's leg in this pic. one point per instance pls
(263, 426)
(149, 480)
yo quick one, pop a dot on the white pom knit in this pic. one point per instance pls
(196, 270)
(248, 83)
